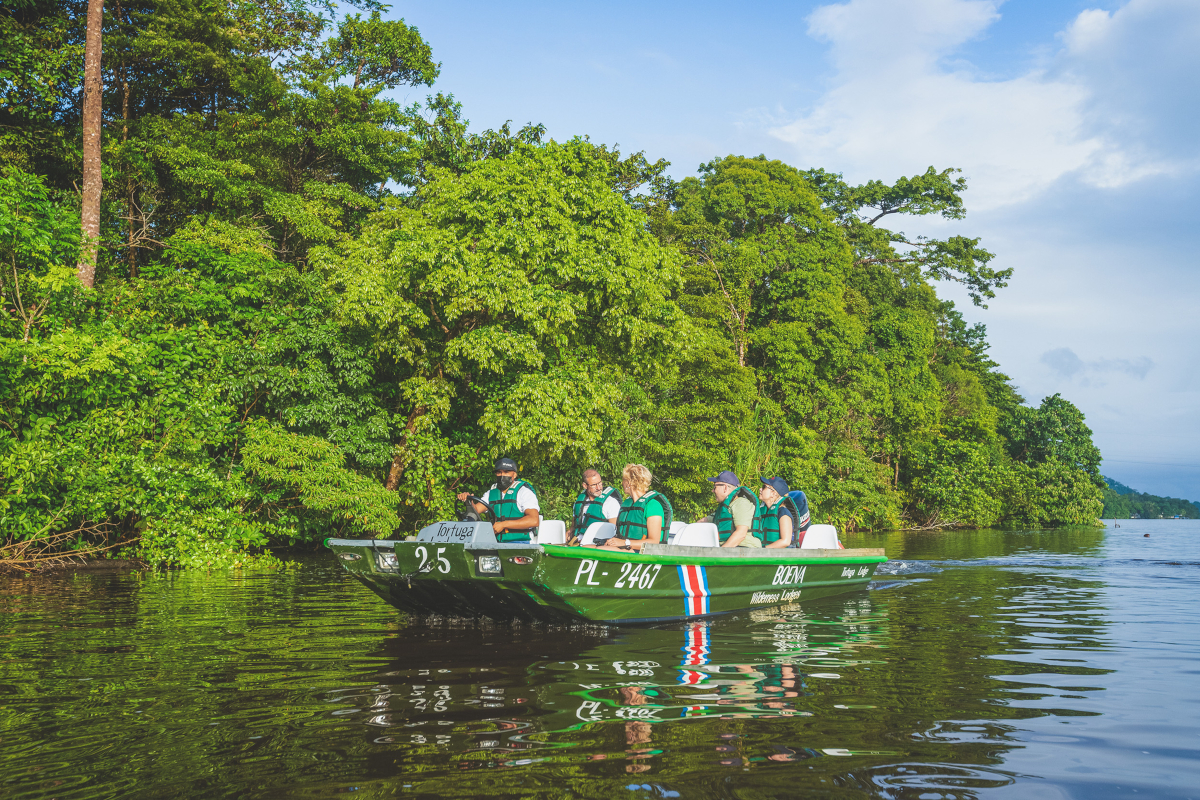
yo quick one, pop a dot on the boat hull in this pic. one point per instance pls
(552, 583)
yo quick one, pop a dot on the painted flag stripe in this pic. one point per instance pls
(694, 582)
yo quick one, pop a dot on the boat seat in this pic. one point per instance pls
(698, 534)
(820, 537)
(676, 527)
(597, 530)
(552, 532)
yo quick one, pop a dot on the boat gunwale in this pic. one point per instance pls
(674, 555)
(728, 558)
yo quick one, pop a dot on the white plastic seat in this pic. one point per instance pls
(676, 527)
(597, 530)
(552, 532)
(820, 537)
(698, 534)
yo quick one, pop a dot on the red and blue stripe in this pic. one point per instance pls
(694, 582)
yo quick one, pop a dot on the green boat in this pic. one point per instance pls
(458, 569)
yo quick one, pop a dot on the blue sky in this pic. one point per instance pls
(1077, 125)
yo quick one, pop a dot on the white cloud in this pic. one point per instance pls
(1065, 362)
(1139, 64)
(1101, 109)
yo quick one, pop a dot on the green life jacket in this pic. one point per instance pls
(770, 521)
(504, 508)
(631, 522)
(588, 511)
(723, 517)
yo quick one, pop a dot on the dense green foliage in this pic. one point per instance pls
(317, 311)
(1122, 502)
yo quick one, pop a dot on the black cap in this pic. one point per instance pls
(505, 465)
(778, 484)
(726, 477)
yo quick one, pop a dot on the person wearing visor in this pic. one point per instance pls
(779, 513)
(736, 516)
(596, 503)
(515, 509)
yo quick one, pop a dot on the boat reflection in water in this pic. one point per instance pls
(503, 698)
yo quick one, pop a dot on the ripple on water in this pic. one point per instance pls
(907, 568)
(992, 669)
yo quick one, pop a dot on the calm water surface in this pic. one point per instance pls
(986, 663)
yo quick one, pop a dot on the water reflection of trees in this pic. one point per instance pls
(891, 693)
(288, 680)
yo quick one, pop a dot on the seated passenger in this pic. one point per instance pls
(736, 514)
(804, 520)
(645, 514)
(778, 513)
(596, 503)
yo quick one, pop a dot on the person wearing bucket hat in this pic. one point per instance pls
(779, 513)
(736, 514)
(514, 504)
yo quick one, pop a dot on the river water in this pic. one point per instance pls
(985, 663)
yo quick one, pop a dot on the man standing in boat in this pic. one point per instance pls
(596, 503)
(736, 512)
(514, 504)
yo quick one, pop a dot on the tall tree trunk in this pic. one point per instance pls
(400, 458)
(131, 255)
(129, 184)
(92, 94)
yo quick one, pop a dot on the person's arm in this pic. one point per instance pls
(479, 509)
(611, 509)
(653, 536)
(654, 527)
(736, 537)
(531, 519)
(743, 517)
(785, 532)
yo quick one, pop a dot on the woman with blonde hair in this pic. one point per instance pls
(645, 514)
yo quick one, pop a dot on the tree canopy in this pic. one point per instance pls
(317, 311)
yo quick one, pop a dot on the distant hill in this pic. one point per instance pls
(1122, 502)
(1117, 486)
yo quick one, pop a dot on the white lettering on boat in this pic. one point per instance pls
(640, 576)
(775, 597)
(788, 574)
(448, 531)
(587, 567)
(633, 575)
(849, 572)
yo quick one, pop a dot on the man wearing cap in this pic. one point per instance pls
(735, 514)
(515, 509)
(778, 511)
